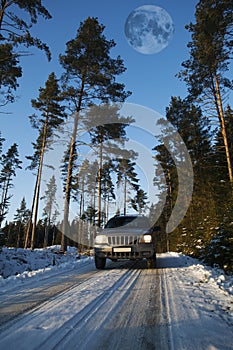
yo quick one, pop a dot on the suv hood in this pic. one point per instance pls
(124, 231)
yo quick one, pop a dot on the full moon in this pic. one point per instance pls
(149, 29)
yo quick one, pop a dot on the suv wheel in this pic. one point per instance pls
(100, 262)
(151, 263)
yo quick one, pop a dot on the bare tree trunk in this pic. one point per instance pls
(68, 184)
(94, 203)
(3, 203)
(54, 234)
(36, 205)
(18, 235)
(38, 183)
(171, 205)
(125, 195)
(29, 224)
(219, 107)
(70, 170)
(46, 234)
(67, 200)
(99, 183)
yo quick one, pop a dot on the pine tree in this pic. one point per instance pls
(90, 77)
(10, 71)
(10, 163)
(210, 55)
(194, 129)
(91, 183)
(108, 134)
(52, 116)
(166, 180)
(127, 176)
(139, 201)
(50, 206)
(107, 190)
(15, 31)
(21, 219)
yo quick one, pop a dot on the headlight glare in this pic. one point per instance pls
(147, 238)
(101, 239)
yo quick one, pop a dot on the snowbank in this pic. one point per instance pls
(18, 265)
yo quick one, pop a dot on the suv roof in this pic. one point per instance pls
(138, 221)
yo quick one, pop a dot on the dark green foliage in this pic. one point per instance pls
(219, 250)
(49, 104)
(125, 170)
(89, 215)
(15, 29)
(206, 229)
(88, 58)
(21, 219)
(10, 71)
(193, 128)
(205, 72)
(15, 32)
(9, 164)
(50, 198)
(139, 201)
(52, 114)
(107, 185)
(210, 48)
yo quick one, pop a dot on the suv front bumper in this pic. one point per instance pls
(126, 252)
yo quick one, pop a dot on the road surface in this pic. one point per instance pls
(125, 306)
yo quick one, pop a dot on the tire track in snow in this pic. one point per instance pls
(166, 312)
(17, 301)
(191, 323)
(51, 323)
(75, 330)
(126, 320)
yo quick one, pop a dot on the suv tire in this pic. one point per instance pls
(100, 262)
(151, 263)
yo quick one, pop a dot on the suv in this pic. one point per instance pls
(125, 237)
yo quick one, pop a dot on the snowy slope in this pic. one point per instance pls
(18, 265)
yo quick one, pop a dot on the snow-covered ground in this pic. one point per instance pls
(19, 265)
(182, 305)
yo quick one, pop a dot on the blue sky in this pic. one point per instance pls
(151, 78)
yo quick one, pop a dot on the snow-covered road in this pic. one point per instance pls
(179, 305)
(199, 313)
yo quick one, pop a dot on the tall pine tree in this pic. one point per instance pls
(90, 77)
(21, 220)
(52, 115)
(194, 129)
(108, 134)
(205, 72)
(10, 162)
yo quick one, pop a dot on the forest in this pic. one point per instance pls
(204, 120)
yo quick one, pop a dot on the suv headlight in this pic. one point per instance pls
(101, 239)
(147, 238)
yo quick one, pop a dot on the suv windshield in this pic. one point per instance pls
(130, 221)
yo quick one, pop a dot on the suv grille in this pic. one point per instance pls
(123, 240)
